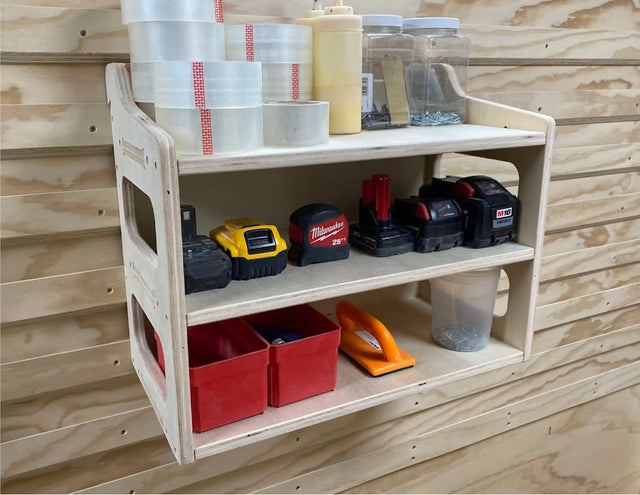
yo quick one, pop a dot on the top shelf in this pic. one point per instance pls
(368, 145)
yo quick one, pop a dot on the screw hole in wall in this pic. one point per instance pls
(123, 432)
(92, 128)
(110, 290)
(546, 45)
(83, 33)
(131, 492)
(539, 109)
(116, 362)
(101, 212)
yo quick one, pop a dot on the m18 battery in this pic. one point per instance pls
(491, 210)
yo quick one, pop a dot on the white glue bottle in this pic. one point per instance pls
(338, 66)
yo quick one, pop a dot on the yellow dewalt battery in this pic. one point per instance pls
(255, 248)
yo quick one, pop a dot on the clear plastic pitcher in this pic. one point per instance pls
(462, 309)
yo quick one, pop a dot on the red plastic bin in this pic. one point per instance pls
(228, 364)
(305, 367)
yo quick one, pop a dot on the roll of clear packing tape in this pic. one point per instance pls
(296, 123)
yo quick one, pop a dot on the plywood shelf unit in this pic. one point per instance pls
(146, 160)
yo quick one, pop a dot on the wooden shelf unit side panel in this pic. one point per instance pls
(534, 168)
(145, 158)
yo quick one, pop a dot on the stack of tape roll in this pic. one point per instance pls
(296, 123)
(285, 51)
(168, 31)
(210, 107)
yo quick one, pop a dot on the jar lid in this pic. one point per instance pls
(382, 20)
(431, 23)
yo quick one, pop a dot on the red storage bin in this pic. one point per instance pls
(228, 364)
(305, 367)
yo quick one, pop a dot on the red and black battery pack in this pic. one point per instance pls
(437, 224)
(491, 210)
(376, 233)
(318, 233)
(205, 266)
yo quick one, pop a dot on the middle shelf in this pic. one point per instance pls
(359, 273)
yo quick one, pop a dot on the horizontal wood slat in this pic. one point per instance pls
(625, 320)
(582, 213)
(50, 296)
(590, 259)
(568, 136)
(34, 216)
(578, 308)
(36, 84)
(75, 33)
(549, 455)
(621, 103)
(573, 240)
(57, 174)
(589, 188)
(587, 284)
(45, 449)
(69, 369)
(62, 334)
(32, 127)
(71, 406)
(60, 256)
(501, 79)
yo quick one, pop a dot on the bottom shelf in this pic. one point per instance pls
(409, 322)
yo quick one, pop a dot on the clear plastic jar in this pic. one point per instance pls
(438, 74)
(384, 90)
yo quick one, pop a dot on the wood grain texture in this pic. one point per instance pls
(504, 45)
(27, 30)
(624, 104)
(595, 160)
(72, 406)
(591, 237)
(590, 259)
(45, 449)
(60, 256)
(552, 455)
(30, 127)
(536, 371)
(590, 188)
(610, 14)
(583, 213)
(22, 379)
(574, 309)
(500, 79)
(568, 136)
(600, 325)
(50, 296)
(57, 174)
(62, 334)
(36, 84)
(590, 283)
(410, 440)
(34, 216)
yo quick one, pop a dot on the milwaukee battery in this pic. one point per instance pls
(205, 267)
(437, 223)
(491, 210)
(318, 233)
(376, 233)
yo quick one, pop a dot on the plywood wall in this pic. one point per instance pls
(74, 417)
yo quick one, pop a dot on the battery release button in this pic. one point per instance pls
(422, 212)
(464, 189)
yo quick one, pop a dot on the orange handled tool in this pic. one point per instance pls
(368, 342)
